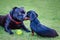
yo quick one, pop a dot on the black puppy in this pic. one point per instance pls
(39, 28)
(14, 20)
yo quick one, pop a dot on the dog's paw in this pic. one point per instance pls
(11, 33)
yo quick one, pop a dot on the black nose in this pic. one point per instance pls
(27, 16)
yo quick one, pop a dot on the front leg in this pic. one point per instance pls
(7, 29)
(32, 33)
(24, 28)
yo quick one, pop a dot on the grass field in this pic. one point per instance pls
(48, 11)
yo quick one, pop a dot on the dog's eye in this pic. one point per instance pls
(23, 12)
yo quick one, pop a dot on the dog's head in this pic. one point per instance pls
(32, 14)
(18, 13)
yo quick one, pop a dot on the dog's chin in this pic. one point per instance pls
(26, 18)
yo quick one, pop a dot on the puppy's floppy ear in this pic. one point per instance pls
(36, 14)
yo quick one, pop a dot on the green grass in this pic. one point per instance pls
(48, 11)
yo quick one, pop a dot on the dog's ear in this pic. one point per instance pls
(36, 14)
(13, 10)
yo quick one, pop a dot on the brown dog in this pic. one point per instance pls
(14, 20)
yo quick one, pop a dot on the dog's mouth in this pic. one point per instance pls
(22, 17)
(25, 17)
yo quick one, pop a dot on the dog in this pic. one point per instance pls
(14, 20)
(38, 28)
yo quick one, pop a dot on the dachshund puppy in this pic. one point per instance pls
(38, 28)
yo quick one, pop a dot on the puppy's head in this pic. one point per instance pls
(18, 13)
(32, 14)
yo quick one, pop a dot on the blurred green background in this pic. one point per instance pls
(48, 11)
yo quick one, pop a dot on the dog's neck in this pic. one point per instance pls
(16, 22)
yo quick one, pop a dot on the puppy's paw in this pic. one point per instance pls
(32, 34)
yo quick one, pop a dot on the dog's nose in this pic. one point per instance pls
(23, 12)
(24, 15)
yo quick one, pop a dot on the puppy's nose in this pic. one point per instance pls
(26, 18)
